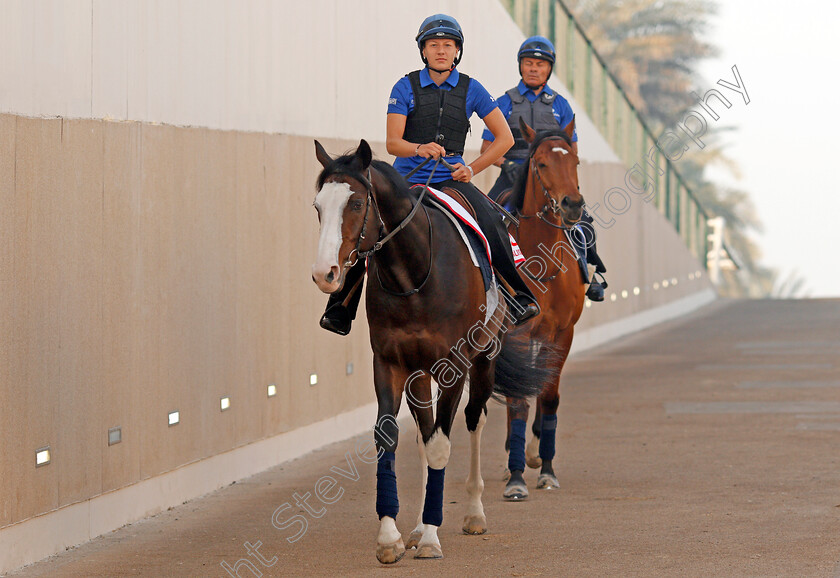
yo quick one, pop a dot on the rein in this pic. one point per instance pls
(371, 201)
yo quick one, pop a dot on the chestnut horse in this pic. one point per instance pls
(426, 308)
(549, 203)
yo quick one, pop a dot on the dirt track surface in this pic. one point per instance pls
(708, 446)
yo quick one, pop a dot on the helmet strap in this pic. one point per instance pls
(444, 71)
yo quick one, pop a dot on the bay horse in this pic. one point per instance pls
(426, 311)
(549, 203)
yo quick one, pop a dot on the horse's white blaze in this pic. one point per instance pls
(475, 484)
(437, 450)
(559, 150)
(330, 201)
(388, 533)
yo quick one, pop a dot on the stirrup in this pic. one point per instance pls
(595, 292)
(337, 319)
(528, 309)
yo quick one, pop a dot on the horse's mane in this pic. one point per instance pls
(517, 195)
(345, 165)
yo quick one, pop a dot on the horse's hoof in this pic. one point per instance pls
(475, 524)
(532, 453)
(413, 539)
(390, 553)
(547, 482)
(506, 475)
(533, 462)
(516, 492)
(428, 552)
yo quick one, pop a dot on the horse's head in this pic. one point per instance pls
(347, 213)
(553, 162)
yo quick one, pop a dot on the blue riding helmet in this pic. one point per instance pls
(537, 47)
(440, 26)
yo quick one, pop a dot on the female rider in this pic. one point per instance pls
(428, 116)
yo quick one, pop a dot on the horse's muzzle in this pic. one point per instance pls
(572, 210)
(329, 279)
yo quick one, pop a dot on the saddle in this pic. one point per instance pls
(462, 200)
(507, 216)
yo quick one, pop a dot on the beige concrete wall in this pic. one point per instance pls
(146, 269)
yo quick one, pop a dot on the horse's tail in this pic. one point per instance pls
(524, 367)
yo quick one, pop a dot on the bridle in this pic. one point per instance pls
(370, 201)
(551, 205)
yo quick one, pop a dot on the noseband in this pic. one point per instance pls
(370, 201)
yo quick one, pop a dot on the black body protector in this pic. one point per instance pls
(538, 114)
(439, 116)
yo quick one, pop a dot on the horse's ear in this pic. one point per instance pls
(322, 155)
(527, 132)
(364, 155)
(570, 128)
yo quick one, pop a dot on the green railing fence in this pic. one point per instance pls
(593, 86)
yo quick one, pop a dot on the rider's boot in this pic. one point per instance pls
(595, 292)
(343, 304)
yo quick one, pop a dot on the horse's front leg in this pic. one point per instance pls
(549, 401)
(389, 543)
(516, 489)
(434, 438)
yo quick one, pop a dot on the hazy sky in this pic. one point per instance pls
(788, 56)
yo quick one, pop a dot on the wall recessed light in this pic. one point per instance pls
(350, 368)
(272, 390)
(174, 417)
(665, 283)
(224, 403)
(636, 290)
(313, 379)
(624, 294)
(114, 436)
(613, 297)
(656, 286)
(42, 457)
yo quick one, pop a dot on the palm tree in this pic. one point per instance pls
(653, 47)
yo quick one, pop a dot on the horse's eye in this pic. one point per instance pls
(542, 165)
(356, 205)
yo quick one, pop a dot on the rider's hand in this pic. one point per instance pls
(461, 173)
(430, 149)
